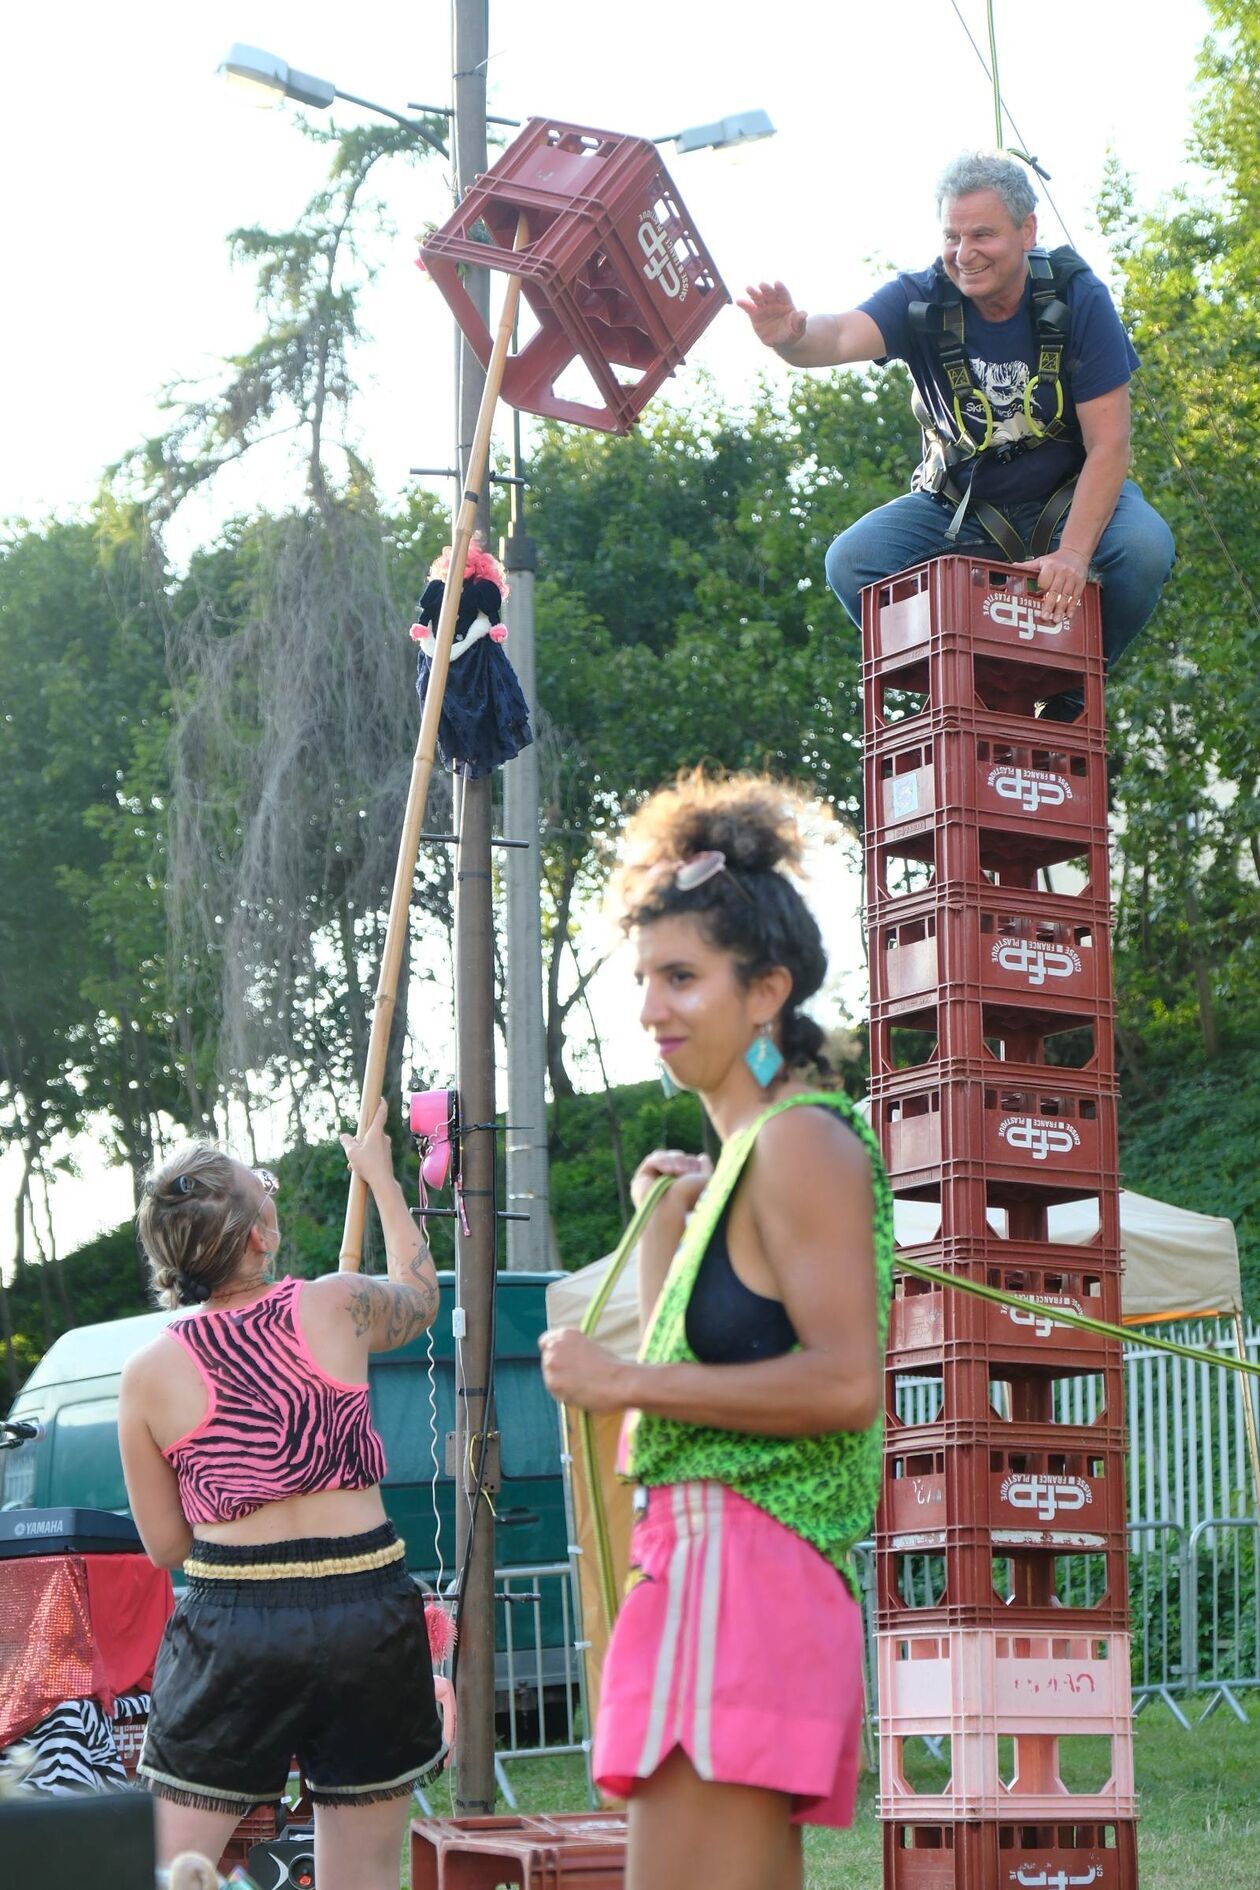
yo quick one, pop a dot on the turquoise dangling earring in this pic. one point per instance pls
(669, 1087)
(764, 1057)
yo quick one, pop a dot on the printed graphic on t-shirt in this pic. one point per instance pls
(1002, 383)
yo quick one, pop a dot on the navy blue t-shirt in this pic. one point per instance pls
(1099, 357)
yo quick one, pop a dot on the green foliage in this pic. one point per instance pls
(683, 617)
(1186, 704)
(585, 1206)
(106, 1279)
(86, 1021)
(1189, 1134)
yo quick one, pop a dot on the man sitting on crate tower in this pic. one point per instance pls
(1021, 373)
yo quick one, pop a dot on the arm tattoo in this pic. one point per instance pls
(396, 1311)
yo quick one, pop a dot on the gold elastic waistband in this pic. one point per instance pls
(293, 1571)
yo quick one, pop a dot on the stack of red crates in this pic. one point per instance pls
(1002, 1601)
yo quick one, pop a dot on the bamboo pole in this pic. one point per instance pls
(1249, 1410)
(422, 763)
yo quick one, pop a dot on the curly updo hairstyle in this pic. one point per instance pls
(752, 907)
(195, 1215)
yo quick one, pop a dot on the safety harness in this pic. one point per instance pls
(941, 323)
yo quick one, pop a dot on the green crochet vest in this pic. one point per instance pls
(826, 1487)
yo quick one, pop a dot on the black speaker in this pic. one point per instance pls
(104, 1840)
(279, 1862)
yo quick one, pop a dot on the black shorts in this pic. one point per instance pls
(328, 1663)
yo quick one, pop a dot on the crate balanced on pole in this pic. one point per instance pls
(1001, 1582)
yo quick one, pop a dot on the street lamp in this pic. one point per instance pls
(256, 71)
(739, 128)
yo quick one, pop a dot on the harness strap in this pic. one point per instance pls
(999, 527)
(1052, 512)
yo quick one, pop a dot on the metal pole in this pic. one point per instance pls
(474, 1019)
(530, 1243)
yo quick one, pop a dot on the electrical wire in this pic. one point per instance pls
(437, 1466)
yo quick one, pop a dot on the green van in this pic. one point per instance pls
(72, 1394)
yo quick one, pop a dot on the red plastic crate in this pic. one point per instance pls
(966, 1207)
(994, 1856)
(971, 1582)
(966, 634)
(1010, 1680)
(926, 1316)
(1027, 1500)
(957, 856)
(256, 1827)
(1031, 959)
(1048, 1130)
(995, 605)
(1039, 788)
(953, 1401)
(958, 1037)
(982, 1689)
(584, 1850)
(613, 268)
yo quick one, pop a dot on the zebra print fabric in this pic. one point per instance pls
(277, 1424)
(76, 1748)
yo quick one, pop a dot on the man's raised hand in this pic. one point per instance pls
(776, 320)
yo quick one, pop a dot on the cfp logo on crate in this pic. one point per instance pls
(1020, 615)
(659, 265)
(1046, 1496)
(1031, 787)
(1034, 961)
(1043, 1878)
(1041, 1326)
(1033, 1135)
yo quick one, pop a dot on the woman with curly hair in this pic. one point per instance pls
(250, 1458)
(731, 1700)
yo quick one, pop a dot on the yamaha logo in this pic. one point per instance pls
(1030, 788)
(1020, 615)
(1035, 962)
(659, 265)
(1033, 1135)
(46, 1526)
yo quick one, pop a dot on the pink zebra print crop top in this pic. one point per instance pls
(277, 1425)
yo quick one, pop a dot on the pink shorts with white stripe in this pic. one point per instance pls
(740, 1643)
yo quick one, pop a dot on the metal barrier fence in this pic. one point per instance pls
(1194, 1553)
(1194, 1599)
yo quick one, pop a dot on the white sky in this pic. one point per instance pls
(129, 161)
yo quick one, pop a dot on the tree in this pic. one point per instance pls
(294, 711)
(84, 1021)
(682, 614)
(1186, 704)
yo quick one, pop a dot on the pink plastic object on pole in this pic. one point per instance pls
(613, 270)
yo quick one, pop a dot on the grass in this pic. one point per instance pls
(1198, 1804)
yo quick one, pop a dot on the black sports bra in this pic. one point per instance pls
(727, 1323)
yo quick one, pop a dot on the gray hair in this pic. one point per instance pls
(988, 170)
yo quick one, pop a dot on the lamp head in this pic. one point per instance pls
(269, 79)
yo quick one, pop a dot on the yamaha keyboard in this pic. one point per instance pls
(67, 1532)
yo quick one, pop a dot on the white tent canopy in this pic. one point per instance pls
(1177, 1264)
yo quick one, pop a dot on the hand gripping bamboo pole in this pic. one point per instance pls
(422, 761)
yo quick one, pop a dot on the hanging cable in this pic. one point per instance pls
(997, 90)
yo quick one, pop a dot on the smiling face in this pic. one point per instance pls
(985, 251)
(700, 1016)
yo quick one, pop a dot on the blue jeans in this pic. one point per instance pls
(1132, 561)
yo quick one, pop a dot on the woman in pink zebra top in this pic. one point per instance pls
(251, 1459)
